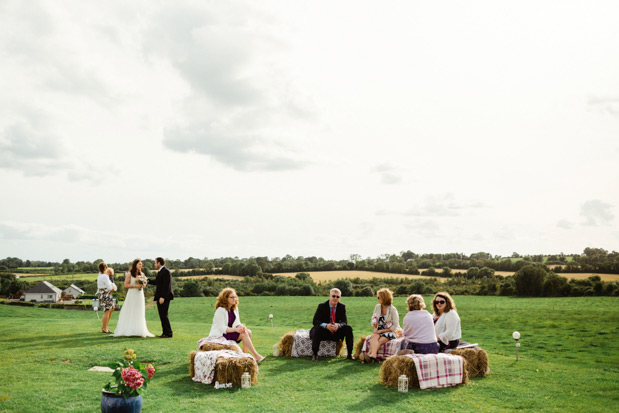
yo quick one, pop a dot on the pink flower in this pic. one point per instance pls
(132, 377)
(151, 371)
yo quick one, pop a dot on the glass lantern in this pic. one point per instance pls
(403, 383)
(245, 381)
(275, 350)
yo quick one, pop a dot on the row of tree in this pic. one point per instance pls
(591, 260)
(532, 280)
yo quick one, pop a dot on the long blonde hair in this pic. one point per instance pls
(222, 299)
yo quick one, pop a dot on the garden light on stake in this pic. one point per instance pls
(516, 336)
(95, 307)
(271, 318)
(276, 349)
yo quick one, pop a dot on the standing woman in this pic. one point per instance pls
(385, 322)
(105, 287)
(226, 322)
(447, 326)
(132, 317)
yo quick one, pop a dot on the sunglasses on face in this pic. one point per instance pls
(440, 301)
(335, 296)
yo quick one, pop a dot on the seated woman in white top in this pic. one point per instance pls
(419, 327)
(105, 287)
(227, 323)
(447, 324)
(385, 321)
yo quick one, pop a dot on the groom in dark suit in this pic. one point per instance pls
(163, 295)
(330, 323)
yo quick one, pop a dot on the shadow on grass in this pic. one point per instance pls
(66, 340)
(385, 396)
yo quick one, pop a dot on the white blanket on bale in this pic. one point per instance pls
(217, 340)
(438, 370)
(205, 361)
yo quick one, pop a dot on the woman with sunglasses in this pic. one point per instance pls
(447, 324)
(385, 321)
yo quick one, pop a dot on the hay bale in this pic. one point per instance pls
(338, 348)
(207, 346)
(285, 344)
(192, 369)
(476, 360)
(359, 355)
(230, 370)
(395, 366)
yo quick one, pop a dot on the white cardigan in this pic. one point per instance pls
(391, 316)
(220, 322)
(447, 327)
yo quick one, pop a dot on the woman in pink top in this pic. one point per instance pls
(419, 327)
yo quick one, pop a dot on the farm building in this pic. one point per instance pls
(43, 292)
(72, 291)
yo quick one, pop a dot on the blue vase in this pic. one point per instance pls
(111, 403)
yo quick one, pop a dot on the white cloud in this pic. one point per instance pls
(565, 224)
(597, 213)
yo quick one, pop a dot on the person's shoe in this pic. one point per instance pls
(350, 357)
(165, 336)
(261, 359)
(314, 357)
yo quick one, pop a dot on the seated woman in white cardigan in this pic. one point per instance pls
(447, 321)
(227, 323)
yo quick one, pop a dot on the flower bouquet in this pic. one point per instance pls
(141, 279)
(130, 377)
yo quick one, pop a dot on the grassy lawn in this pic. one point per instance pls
(569, 359)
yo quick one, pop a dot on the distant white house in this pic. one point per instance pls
(43, 292)
(73, 290)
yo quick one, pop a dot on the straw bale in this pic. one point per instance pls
(285, 344)
(476, 360)
(359, 355)
(394, 367)
(207, 346)
(192, 357)
(338, 348)
(230, 370)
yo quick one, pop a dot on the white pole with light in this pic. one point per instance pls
(516, 336)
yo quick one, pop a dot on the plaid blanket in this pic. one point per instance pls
(217, 340)
(390, 348)
(438, 370)
(302, 346)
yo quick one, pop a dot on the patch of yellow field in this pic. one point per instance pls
(584, 275)
(201, 277)
(320, 276)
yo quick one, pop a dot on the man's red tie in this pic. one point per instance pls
(333, 315)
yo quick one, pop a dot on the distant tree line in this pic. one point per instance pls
(591, 260)
(473, 274)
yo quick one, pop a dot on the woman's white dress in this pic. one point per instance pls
(132, 318)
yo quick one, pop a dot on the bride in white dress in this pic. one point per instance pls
(132, 318)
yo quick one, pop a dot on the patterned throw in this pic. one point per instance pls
(217, 340)
(438, 370)
(205, 361)
(302, 346)
(390, 348)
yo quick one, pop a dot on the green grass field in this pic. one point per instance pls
(569, 359)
